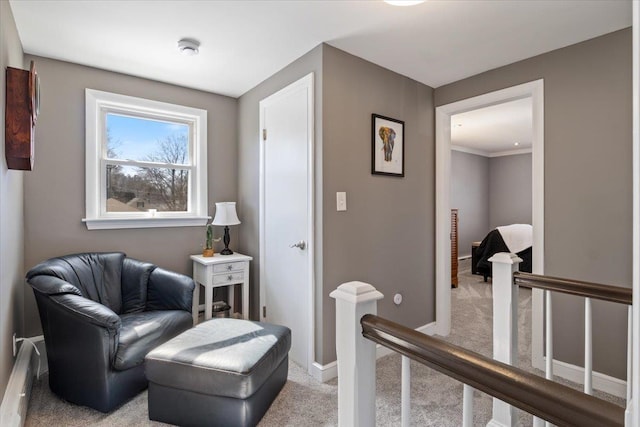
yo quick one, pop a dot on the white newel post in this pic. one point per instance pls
(505, 325)
(356, 355)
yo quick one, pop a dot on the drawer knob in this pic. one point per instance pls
(229, 277)
(229, 267)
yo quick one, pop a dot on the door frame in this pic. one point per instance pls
(535, 90)
(633, 407)
(306, 82)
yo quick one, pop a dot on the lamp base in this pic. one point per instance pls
(226, 240)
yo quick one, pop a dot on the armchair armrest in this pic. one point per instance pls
(169, 291)
(81, 337)
(70, 299)
(88, 311)
(51, 285)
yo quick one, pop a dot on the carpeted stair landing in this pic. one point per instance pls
(436, 399)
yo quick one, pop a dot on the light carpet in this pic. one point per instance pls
(436, 399)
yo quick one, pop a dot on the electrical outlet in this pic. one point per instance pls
(15, 347)
(397, 299)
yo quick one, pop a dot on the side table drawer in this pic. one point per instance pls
(228, 267)
(221, 279)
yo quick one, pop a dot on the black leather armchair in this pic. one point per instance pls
(101, 314)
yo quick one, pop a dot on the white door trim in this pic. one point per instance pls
(633, 412)
(535, 90)
(307, 82)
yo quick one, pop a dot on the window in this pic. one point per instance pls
(145, 163)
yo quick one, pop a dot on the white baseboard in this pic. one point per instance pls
(324, 373)
(494, 423)
(13, 410)
(602, 382)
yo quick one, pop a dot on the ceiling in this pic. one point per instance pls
(244, 42)
(494, 130)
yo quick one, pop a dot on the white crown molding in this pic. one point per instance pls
(511, 152)
(483, 153)
(468, 150)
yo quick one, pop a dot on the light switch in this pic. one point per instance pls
(341, 201)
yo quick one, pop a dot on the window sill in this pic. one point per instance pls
(156, 222)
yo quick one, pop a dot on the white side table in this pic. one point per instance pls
(216, 271)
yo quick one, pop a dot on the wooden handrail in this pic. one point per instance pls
(575, 287)
(546, 399)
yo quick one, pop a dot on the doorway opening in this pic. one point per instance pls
(535, 91)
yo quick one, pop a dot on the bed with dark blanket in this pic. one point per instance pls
(494, 243)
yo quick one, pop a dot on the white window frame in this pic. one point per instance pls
(97, 105)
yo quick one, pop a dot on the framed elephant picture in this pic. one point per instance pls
(387, 146)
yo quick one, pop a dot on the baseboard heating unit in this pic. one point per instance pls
(13, 409)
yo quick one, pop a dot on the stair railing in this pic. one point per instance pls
(506, 281)
(358, 329)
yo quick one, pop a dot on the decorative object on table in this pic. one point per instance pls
(208, 246)
(21, 113)
(387, 146)
(226, 215)
(221, 309)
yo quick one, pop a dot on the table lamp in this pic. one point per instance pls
(226, 215)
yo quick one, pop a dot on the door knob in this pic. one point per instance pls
(300, 245)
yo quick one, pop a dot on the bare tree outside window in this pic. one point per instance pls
(171, 185)
(136, 188)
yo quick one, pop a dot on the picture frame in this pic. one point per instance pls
(387, 146)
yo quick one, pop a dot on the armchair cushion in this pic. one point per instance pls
(135, 280)
(142, 332)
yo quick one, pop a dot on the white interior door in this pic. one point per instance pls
(286, 266)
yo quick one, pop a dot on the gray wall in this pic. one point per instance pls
(11, 213)
(588, 179)
(386, 237)
(470, 195)
(55, 192)
(510, 200)
(249, 168)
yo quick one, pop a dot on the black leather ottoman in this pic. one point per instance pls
(223, 372)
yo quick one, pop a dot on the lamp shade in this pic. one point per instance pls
(226, 214)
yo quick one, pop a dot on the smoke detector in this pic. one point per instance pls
(404, 2)
(188, 47)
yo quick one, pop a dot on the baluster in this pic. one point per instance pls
(538, 422)
(588, 347)
(548, 340)
(467, 406)
(629, 353)
(405, 412)
(505, 324)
